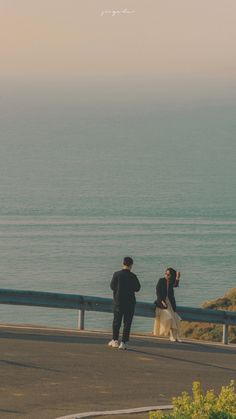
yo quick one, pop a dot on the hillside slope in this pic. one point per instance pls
(210, 331)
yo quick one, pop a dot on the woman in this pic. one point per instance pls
(167, 321)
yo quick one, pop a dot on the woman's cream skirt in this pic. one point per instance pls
(166, 320)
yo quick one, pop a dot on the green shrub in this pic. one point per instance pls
(200, 406)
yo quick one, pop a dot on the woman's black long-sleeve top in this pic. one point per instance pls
(162, 294)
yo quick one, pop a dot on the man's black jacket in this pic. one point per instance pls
(124, 285)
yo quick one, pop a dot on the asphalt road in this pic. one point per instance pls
(46, 374)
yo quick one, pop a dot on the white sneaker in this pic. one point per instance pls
(113, 343)
(172, 337)
(123, 345)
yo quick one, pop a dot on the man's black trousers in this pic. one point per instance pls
(125, 313)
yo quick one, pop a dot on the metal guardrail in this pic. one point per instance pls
(84, 303)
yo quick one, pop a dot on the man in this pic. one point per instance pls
(124, 285)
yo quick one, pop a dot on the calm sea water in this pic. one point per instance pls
(85, 182)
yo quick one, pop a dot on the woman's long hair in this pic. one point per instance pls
(172, 275)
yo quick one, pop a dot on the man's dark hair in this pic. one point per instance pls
(128, 261)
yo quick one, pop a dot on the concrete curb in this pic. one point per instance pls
(117, 412)
(42, 328)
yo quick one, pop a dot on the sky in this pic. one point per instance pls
(151, 39)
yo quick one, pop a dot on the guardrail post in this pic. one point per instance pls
(225, 339)
(81, 319)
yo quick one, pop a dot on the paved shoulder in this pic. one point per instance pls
(52, 373)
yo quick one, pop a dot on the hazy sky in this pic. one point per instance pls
(161, 38)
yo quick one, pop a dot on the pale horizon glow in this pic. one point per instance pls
(60, 39)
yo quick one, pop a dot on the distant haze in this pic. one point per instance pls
(62, 39)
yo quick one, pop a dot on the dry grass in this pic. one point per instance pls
(210, 331)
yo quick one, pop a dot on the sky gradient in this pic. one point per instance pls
(70, 39)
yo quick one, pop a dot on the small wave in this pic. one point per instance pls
(112, 221)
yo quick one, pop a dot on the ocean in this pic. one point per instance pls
(89, 178)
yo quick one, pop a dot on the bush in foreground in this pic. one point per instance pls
(200, 406)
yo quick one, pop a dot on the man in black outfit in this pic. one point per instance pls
(124, 285)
